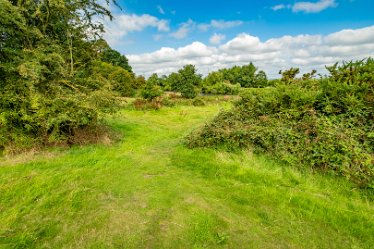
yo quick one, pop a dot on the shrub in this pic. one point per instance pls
(223, 88)
(198, 102)
(325, 124)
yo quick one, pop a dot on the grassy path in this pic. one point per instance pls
(148, 191)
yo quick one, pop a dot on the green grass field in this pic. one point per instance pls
(149, 191)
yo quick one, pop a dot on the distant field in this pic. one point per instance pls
(150, 191)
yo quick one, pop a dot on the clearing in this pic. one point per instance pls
(149, 191)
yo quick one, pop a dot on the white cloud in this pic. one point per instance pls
(313, 7)
(124, 24)
(351, 37)
(161, 10)
(305, 51)
(278, 7)
(184, 29)
(307, 7)
(217, 38)
(219, 24)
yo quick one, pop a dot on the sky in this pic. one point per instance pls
(161, 36)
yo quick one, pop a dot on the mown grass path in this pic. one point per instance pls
(149, 191)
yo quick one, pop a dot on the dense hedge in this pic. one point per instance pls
(325, 123)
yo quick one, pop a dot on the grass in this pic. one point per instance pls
(149, 191)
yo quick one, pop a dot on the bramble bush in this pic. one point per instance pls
(325, 124)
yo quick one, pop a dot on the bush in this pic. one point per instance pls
(325, 124)
(222, 88)
(198, 102)
(143, 104)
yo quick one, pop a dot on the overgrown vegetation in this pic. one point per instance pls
(150, 191)
(324, 124)
(56, 75)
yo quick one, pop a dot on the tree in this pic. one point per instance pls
(45, 56)
(107, 54)
(152, 89)
(189, 81)
(212, 79)
(289, 75)
(261, 79)
(174, 80)
(248, 77)
(308, 76)
(140, 82)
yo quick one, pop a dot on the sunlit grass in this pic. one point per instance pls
(149, 191)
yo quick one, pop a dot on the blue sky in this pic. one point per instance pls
(143, 27)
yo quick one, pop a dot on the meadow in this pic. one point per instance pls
(148, 190)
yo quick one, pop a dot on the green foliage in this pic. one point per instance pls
(222, 88)
(308, 76)
(325, 124)
(261, 79)
(289, 75)
(112, 77)
(152, 89)
(109, 55)
(123, 82)
(187, 81)
(198, 101)
(174, 81)
(46, 87)
(226, 81)
(140, 82)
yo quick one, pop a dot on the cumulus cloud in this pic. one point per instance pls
(217, 38)
(219, 24)
(351, 36)
(305, 51)
(124, 24)
(307, 7)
